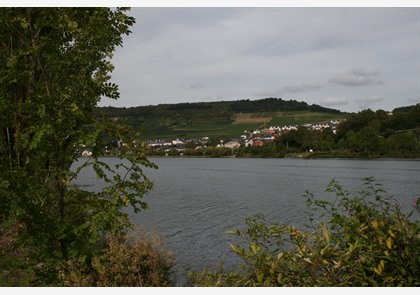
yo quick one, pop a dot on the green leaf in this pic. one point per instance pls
(389, 243)
(234, 248)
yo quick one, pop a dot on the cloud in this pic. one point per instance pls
(290, 89)
(335, 101)
(363, 73)
(369, 100)
(300, 88)
(197, 86)
(357, 77)
(411, 101)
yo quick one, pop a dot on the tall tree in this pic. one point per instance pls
(54, 69)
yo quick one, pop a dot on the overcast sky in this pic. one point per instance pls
(344, 58)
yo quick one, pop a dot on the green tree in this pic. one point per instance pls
(327, 143)
(355, 122)
(295, 138)
(405, 142)
(368, 139)
(54, 69)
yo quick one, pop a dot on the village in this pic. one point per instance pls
(249, 138)
(254, 138)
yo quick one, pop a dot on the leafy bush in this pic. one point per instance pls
(138, 260)
(365, 240)
(11, 271)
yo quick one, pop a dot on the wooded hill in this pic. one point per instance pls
(228, 118)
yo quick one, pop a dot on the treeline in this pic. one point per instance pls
(366, 133)
(277, 105)
(221, 109)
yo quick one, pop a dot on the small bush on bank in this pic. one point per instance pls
(140, 260)
(13, 267)
(365, 240)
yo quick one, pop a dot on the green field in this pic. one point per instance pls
(298, 118)
(226, 129)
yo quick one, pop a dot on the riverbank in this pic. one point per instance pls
(344, 155)
(302, 155)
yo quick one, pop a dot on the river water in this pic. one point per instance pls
(196, 200)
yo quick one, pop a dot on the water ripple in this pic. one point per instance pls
(195, 201)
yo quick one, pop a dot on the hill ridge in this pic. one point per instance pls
(208, 118)
(242, 105)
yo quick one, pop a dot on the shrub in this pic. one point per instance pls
(364, 240)
(12, 265)
(138, 260)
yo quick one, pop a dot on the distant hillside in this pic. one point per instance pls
(223, 118)
(406, 109)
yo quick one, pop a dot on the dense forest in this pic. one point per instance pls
(221, 110)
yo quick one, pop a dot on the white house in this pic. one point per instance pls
(249, 143)
(177, 142)
(86, 153)
(232, 145)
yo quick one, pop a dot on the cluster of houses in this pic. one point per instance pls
(160, 143)
(254, 138)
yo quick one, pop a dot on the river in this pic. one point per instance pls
(196, 200)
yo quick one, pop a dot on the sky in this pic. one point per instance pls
(346, 58)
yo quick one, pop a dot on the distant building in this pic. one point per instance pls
(269, 138)
(249, 142)
(177, 142)
(257, 143)
(232, 145)
(154, 144)
(86, 153)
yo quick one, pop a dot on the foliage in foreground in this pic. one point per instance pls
(139, 259)
(365, 240)
(135, 261)
(54, 69)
